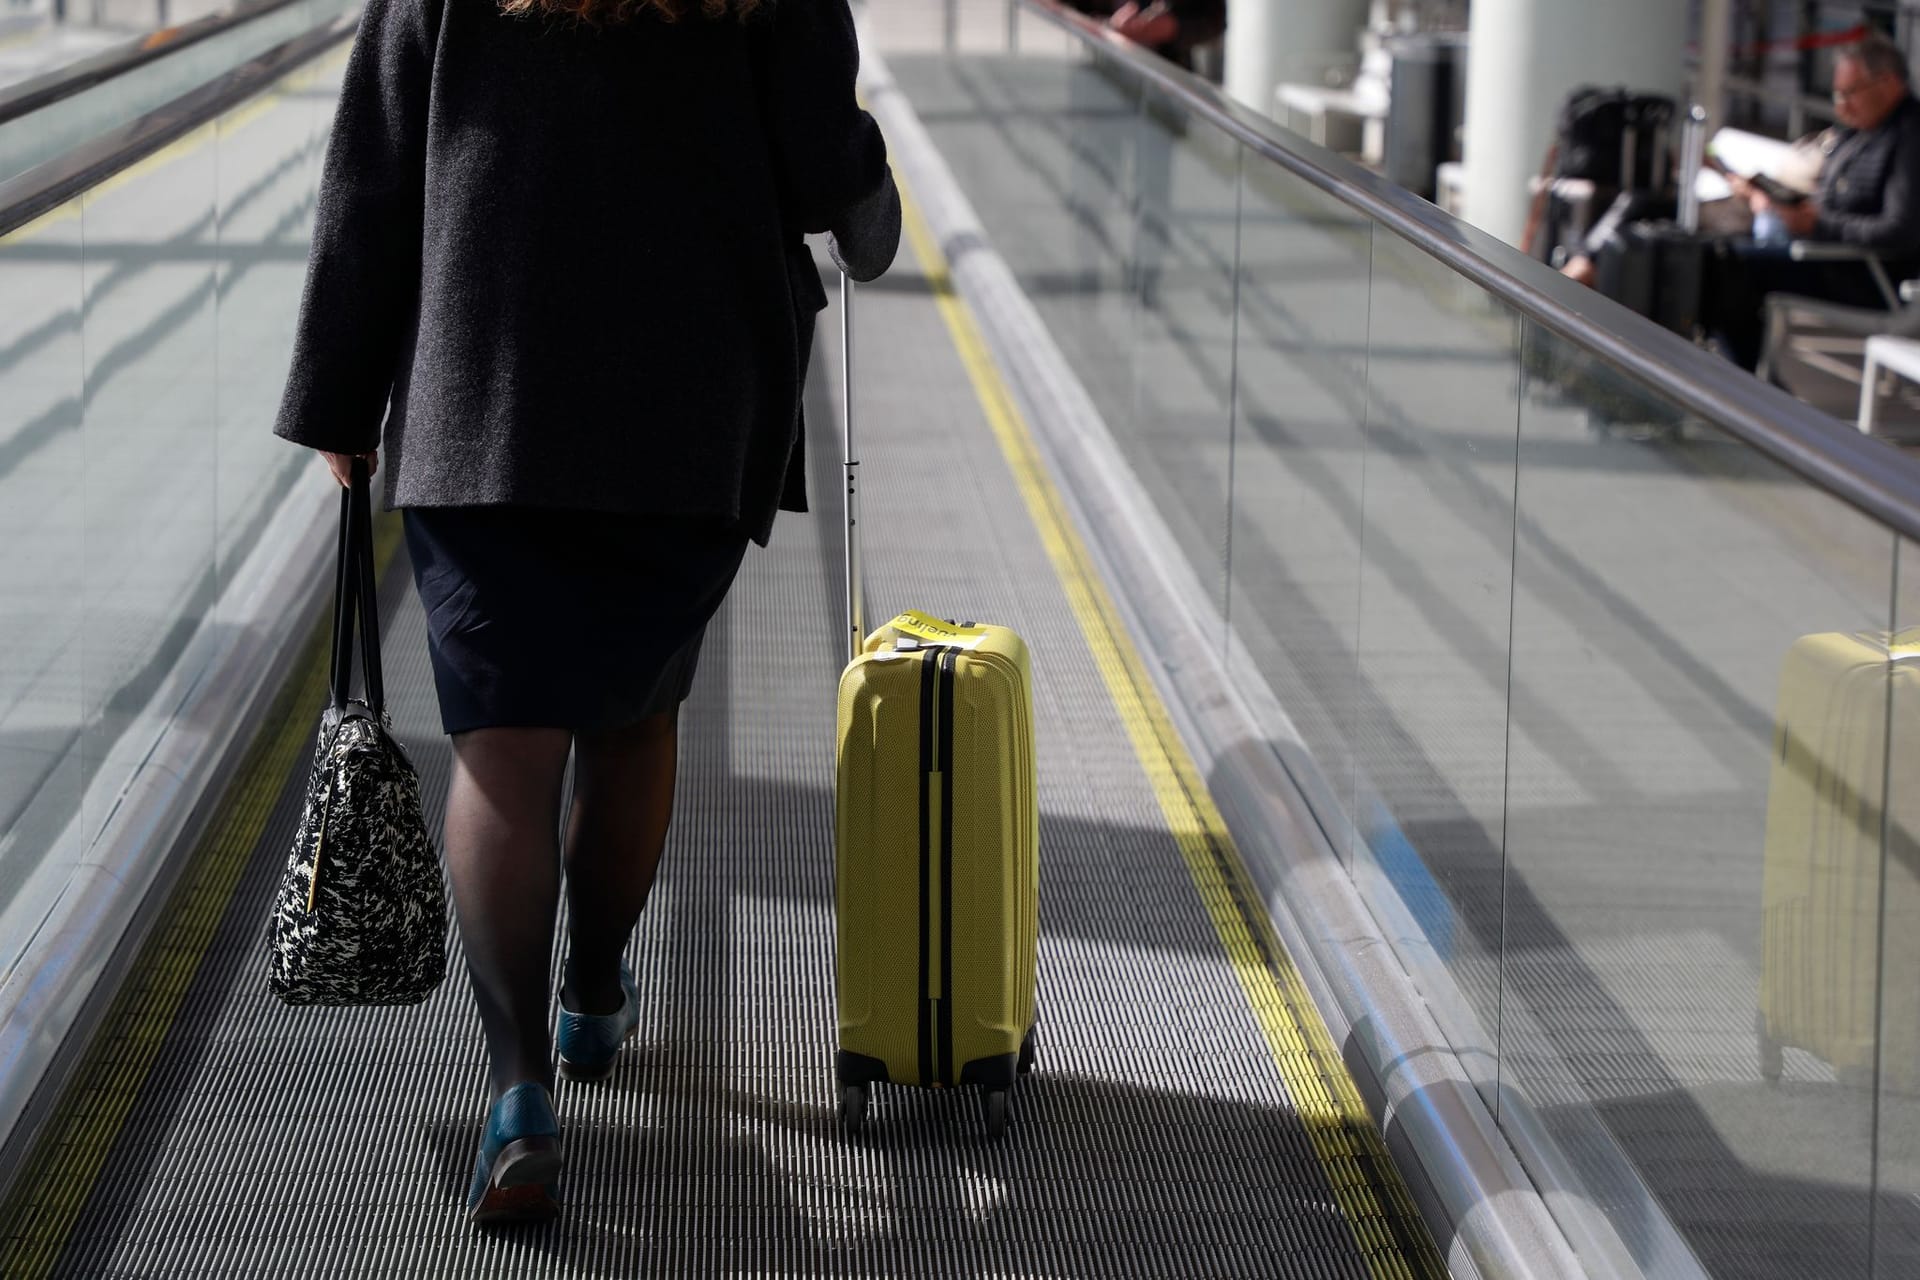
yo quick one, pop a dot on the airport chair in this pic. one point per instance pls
(1817, 349)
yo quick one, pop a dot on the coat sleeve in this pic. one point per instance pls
(866, 237)
(1896, 227)
(363, 271)
(831, 159)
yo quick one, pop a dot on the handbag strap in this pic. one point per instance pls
(340, 665)
(354, 594)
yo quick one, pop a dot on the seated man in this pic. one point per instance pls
(1171, 28)
(1869, 198)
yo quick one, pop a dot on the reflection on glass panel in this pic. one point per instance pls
(1896, 1249)
(269, 167)
(40, 514)
(1299, 433)
(1186, 212)
(114, 384)
(1699, 693)
(118, 101)
(1436, 577)
(1088, 291)
(149, 406)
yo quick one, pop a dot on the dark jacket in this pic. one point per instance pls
(565, 264)
(1870, 187)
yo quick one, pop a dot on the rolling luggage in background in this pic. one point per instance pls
(1822, 928)
(1607, 143)
(936, 840)
(1657, 269)
(1617, 140)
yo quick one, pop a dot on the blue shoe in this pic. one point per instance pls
(589, 1042)
(513, 1180)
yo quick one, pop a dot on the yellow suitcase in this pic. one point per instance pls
(1827, 893)
(937, 838)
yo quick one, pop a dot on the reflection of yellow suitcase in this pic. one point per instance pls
(1822, 893)
(937, 841)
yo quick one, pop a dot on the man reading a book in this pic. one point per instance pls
(1869, 198)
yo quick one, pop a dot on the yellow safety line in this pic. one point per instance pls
(1386, 1227)
(39, 1216)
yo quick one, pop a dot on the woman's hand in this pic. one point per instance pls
(1582, 269)
(341, 464)
(1149, 24)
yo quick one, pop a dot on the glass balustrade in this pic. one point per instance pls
(1609, 714)
(143, 347)
(54, 130)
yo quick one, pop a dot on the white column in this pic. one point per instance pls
(1716, 59)
(1271, 41)
(1526, 56)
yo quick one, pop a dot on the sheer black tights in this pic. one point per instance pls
(503, 856)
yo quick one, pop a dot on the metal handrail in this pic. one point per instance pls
(47, 187)
(43, 91)
(1866, 474)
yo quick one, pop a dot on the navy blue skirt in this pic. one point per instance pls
(579, 620)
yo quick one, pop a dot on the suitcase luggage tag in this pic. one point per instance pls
(915, 630)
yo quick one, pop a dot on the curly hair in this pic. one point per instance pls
(598, 13)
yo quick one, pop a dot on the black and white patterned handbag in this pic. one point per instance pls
(361, 918)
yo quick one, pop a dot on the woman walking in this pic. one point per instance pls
(558, 254)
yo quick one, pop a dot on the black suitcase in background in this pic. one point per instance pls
(1619, 141)
(1607, 143)
(1658, 269)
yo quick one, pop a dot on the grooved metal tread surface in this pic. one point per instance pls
(1156, 1138)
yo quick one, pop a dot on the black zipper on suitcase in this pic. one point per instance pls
(948, 660)
(929, 762)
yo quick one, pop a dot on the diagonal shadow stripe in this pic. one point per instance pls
(41, 430)
(68, 321)
(126, 353)
(1274, 320)
(67, 414)
(1448, 619)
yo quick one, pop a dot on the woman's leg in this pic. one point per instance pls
(623, 783)
(503, 855)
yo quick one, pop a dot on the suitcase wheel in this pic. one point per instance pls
(1027, 1050)
(993, 1106)
(853, 1109)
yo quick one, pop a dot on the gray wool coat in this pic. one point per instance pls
(563, 266)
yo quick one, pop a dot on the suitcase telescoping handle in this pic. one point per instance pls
(856, 602)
